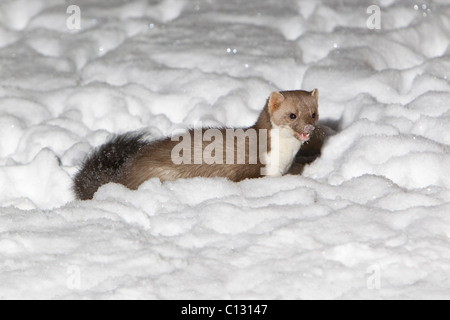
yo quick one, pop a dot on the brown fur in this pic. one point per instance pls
(301, 103)
(312, 149)
(147, 160)
(154, 161)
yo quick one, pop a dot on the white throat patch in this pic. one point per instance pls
(284, 148)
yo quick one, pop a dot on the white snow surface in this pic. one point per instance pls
(369, 219)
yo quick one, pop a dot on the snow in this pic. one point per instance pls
(368, 219)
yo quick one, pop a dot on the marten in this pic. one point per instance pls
(268, 148)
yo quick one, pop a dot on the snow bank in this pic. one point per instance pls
(369, 219)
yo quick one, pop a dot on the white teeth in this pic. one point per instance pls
(303, 136)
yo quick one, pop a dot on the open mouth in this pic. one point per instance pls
(302, 136)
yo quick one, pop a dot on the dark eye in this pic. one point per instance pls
(314, 115)
(293, 116)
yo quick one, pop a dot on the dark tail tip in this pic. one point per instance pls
(106, 164)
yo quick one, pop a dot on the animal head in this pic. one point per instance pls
(295, 110)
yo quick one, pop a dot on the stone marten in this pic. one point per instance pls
(267, 148)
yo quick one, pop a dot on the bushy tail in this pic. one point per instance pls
(106, 164)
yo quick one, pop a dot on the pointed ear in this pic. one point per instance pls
(315, 94)
(275, 100)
